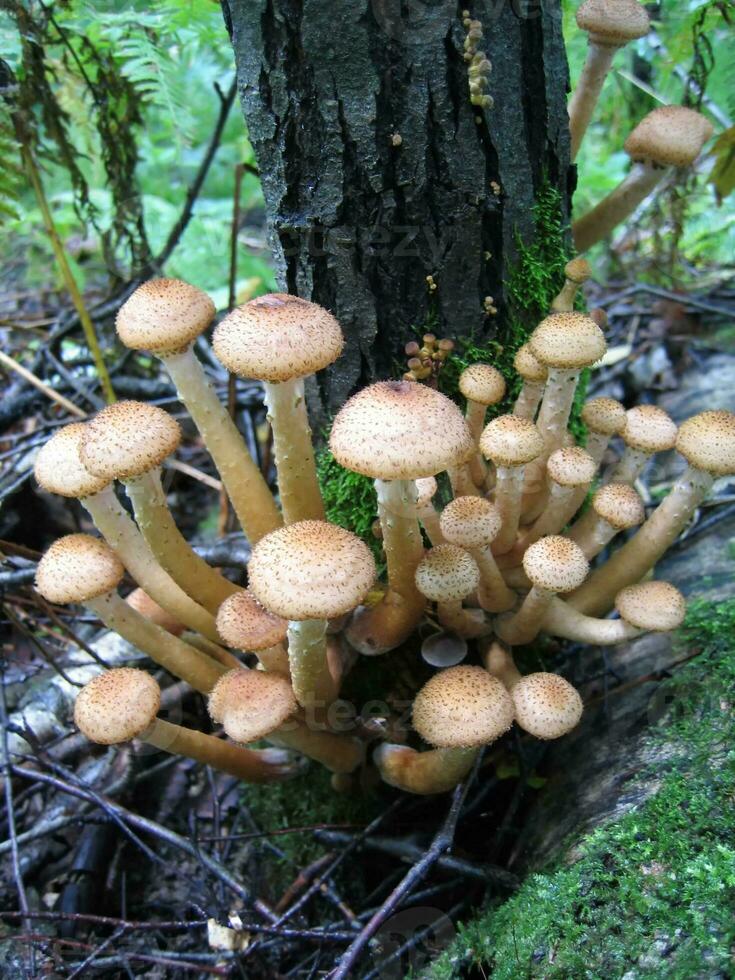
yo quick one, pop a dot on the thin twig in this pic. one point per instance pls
(48, 391)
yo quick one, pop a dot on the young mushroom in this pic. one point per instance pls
(457, 711)
(647, 430)
(482, 386)
(427, 514)
(615, 507)
(121, 704)
(245, 625)
(397, 432)
(670, 136)
(571, 470)
(308, 573)
(281, 340)
(499, 662)
(534, 375)
(610, 24)
(604, 418)
(546, 705)
(576, 273)
(447, 575)
(82, 569)
(165, 317)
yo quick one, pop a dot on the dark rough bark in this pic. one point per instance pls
(358, 223)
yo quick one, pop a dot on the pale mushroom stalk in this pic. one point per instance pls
(560, 509)
(500, 663)
(576, 273)
(493, 593)
(448, 574)
(592, 533)
(298, 487)
(508, 494)
(585, 96)
(556, 407)
(311, 678)
(524, 625)
(619, 204)
(463, 482)
(338, 753)
(275, 659)
(463, 622)
(429, 519)
(529, 399)
(564, 621)
(423, 773)
(630, 466)
(482, 385)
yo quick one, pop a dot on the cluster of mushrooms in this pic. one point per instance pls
(507, 559)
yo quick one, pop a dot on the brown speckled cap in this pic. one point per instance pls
(470, 522)
(568, 341)
(127, 439)
(482, 383)
(649, 429)
(59, 468)
(605, 416)
(246, 625)
(528, 366)
(250, 704)
(511, 441)
(447, 573)
(164, 316)
(425, 489)
(400, 430)
(656, 606)
(670, 136)
(620, 505)
(77, 568)
(546, 705)
(707, 441)
(462, 707)
(310, 570)
(571, 466)
(277, 337)
(555, 564)
(142, 603)
(613, 22)
(578, 270)
(117, 705)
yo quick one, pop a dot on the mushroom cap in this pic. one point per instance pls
(510, 440)
(571, 466)
(555, 564)
(620, 505)
(707, 441)
(528, 366)
(447, 573)
(246, 625)
(164, 316)
(250, 704)
(117, 705)
(569, 341)
(127, 439)
(142, 603)
(546, 705)
(604, 415)
(310, 570)
(277, 337)
(400, 430)
(657, 606)
(462, 707)
(649, 429)
(59, 468)
(77, 568)
(613, 22)
(470, 522)
(578, 270)
(670, 136)
(425, 489)
(482, 383)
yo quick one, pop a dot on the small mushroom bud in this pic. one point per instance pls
(534, 375)
(615, 507)
(647, 430)
(604, 418)
(576, 273)
(245, 625)
(446, 575)
(546, 705)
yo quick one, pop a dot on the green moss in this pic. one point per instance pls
(652, 894)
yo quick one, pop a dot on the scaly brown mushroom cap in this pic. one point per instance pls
(470, 522)
(511, 441)
(117, 705)
(246, 625)
(578, 271)
(546, 705)
(568, 341)
(528, 366)
(605, 416)
(613, 22)
(447, 573)
(656, 606)
(59, 468)
(311, 570)
(127, 439)
(277, 337)
(620, 505)
(142, 603)
(482, 383)
(77, 568)
(670, 136)
(250, 704)
(164, 316)
(707, 441)
(571, 466)
(400, 430)
(555, 564)
(649, 429)
(462, 707)
(425, 490)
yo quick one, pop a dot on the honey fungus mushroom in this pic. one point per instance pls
(244, 624)
(546, 705)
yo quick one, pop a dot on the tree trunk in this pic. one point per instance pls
(378, 172)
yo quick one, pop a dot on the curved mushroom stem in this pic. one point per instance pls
(631, 562)
(475, 415)
(630, 466)
(592, 533)
(529, 399)
(584, 98)
(250, 765)
(423, 773)
(564, 302)
(301, 498)
(617, 206)
(274, 659)
(493, 594)
(123, 536)
(429, 518)
(468, 623)
(508, 491)
(560, 509)
(168, 651)
(523, 626)
(213, 650)
(198, 579)
(463, 483)
(500, 663)
(338, 753)
(564, 621)
(312, 681)
(251, 499)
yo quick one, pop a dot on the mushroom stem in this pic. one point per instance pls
(463, 483)
(630, 563)
(523, 626)
(124, 537)
(252, 500)
(570, 624)
(584, 98)
(500, 663)
(475, 416)
(250, 765)
(630, 466)
(298, 488)
(560, 509)
(592, 533)
(529, 399)
(275, 659)
(423, 773)
(468, 623)
(168, 651)
(338, 753)
(508, 491)
(429, 518)
(617, 206)
(311, 679)
(493, 593)
(205, 585)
